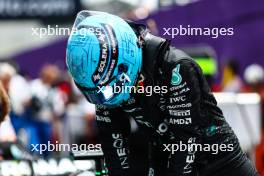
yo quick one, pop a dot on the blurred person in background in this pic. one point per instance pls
(152, 26)
(28, 129)
(90, 133)
(48, 108)
(7, 71)
(47, 105)
(64, 87)
(82, 114)
(231, 81)
(7, 132)
(78, 112)
(4, 103)
(254, 77)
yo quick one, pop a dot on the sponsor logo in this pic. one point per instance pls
(188, 105)
(185, 121)
(104, 55)
(178, 87)
(176, 78)
(184, 90)
(103, 119)
(180, 112)
(108, 50)
(114, 51)
(177, 99)
(118, 144)
(190, 157)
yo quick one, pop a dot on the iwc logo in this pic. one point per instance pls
(176, 78)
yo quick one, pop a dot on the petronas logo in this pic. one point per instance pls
(176, 78)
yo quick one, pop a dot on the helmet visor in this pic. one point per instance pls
(82, 15)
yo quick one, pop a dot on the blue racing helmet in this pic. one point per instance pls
(103, 52)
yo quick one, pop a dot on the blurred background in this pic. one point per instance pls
(46, 106)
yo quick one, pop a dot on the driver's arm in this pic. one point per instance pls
(113, 131)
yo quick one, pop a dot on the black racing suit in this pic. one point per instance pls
(186, 113)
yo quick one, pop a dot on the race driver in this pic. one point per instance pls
(105, 52)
